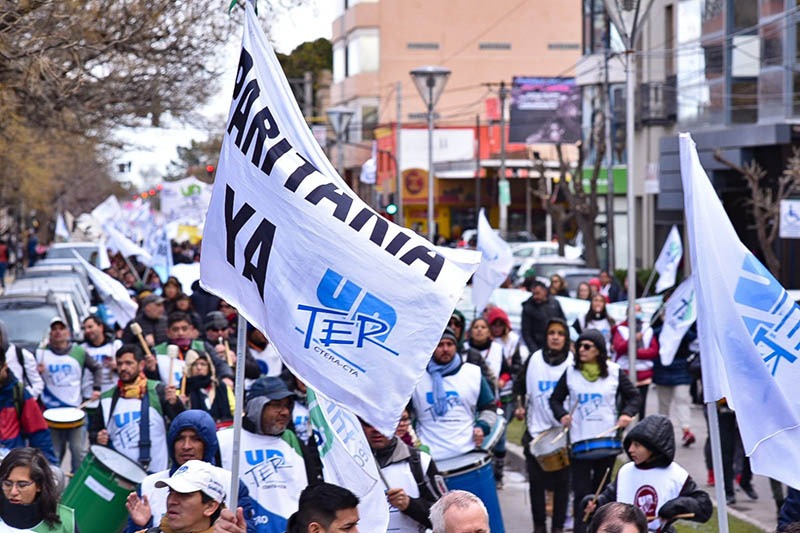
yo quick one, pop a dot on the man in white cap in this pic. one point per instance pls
(195, 502)
(61, 364)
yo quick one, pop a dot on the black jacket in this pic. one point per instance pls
(535, 317)
(656, 433)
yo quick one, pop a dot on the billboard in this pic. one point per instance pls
(545, 111)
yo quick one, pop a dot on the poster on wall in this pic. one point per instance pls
(545, 111)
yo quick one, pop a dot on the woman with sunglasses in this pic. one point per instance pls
(602, 402)
(29, 501)
(533, 388)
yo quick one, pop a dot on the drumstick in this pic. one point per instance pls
(85, 403)
(172, 352)
(228, 353)
(136, 329)
(606, 432)
(676, 517)
(566, 429)
(596, 494)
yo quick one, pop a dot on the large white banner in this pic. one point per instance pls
(185, 200)
(680, 312)
(748, 327)
(496, 263)
(668, 260)
(354, 303)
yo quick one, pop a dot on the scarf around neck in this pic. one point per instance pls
(135, 390)
(591, 371)
(437, 373)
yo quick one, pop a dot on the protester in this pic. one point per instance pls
(30, 498)
(536, 312)
(196, 498)
(618, 517)
(22, 363)
(646, 353)
(558, 287)
(609, 287)
(101, 345)
(4, 249)
(23, 423)
(263, 353)
(459, 511)
(171, 291)
(584, 291)
(457, 323)
(275, 491)
(453, 403)
(301, 421)
(205, 392)
(790, 510)
(61, 363)
(151, 318)
(653, 481)
(192, 436)
(479, 350)
(412, 480)
(203, 301)
(673, 382)
(134, 414)
(605, 400)
(596, 317)
(534, 386)
(325, 508)
(184, 304)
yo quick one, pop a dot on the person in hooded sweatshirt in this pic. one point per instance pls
(21, 363)
(192, 436)
(653, 481)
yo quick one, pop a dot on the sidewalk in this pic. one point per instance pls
(761, 513)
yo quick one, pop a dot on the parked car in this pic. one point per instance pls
(535, 249)
(27, 317)
(58, 284)
(575, 276)
(542, 267)
(90, 251)
(47, 270)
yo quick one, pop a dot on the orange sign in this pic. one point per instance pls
(415, 181)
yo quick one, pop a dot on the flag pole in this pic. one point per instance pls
(716, 459)
(238, 392)
(649, 282)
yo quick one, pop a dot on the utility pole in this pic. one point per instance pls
(398, 172)
(308, 95)
(477, 166)
(609, 171)
(503, 187)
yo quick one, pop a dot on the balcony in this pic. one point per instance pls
(658, 102)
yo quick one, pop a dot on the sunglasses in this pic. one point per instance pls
(586, 346)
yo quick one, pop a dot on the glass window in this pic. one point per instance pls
(363, 51)
(772, 44)
(744, 108)
(595, 26)
(339, 63)
(369, 121)
(745, 14)
(770, 93)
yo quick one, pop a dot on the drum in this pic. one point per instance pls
(64, 417)
(597, 448)
(473, 472)
(551, 456)
(499, 427)
(99, 489)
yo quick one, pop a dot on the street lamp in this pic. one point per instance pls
(339, 118)
(627, 17)
(430, 82)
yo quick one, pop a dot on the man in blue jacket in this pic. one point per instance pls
(192, 435)
(25, 426)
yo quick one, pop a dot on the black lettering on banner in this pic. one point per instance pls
(380, 229)
(274, 153)
(262, 126)
(435, 262)
(234, 223)
(329, 191)
(260, 241)
(301, 173)
(242, 111)
(398, 242)
(245, 65)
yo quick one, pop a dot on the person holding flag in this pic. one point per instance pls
(276, 465)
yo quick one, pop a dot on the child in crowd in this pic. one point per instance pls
(653, 481)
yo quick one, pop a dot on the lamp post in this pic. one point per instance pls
(339, 118)
(627, 17)
(430, 82)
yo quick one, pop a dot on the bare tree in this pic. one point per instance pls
(765, 199)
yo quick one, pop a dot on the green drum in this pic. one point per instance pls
(99, 489)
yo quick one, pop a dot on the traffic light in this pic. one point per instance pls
(389, 207)
(210, 169)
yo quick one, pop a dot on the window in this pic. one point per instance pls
(363, 51)
(494, 46)
(369, 121)
(422, 46)
(339, 62)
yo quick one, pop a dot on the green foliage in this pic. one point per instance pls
(313, 56)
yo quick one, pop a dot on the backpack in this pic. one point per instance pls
(19, 398)
(431, 491)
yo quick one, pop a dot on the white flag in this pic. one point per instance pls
(108, 209)
(680, 312)
(347, 460)
(61, 227)
(117, 242)
(496, 263)
(355, 304)
(748, 327)
(158, 245)
(112, 292)
(668, 260)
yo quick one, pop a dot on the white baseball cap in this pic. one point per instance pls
(195, 476)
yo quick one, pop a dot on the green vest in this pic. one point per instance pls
(67, 525)
(196, 345)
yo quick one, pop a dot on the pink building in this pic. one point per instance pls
(376, 43)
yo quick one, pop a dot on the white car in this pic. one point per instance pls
(537, 249)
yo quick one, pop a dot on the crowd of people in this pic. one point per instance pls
(158, 391)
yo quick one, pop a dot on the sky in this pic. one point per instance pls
(156, 147)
